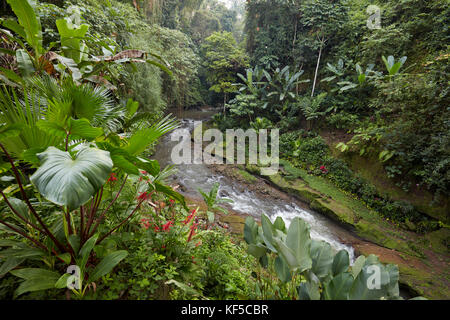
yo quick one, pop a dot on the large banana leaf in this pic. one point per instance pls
(71, 182)
(299, 241)
(341, 262)
(71, 39)
(28, 20)
(322, 258)
(339, 287)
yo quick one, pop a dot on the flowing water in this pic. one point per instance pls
(191, 177)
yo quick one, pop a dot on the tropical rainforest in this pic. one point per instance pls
(91, 91)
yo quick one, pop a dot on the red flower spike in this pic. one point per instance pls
(189, 218)
(112, 177)
(166, 227)
(144, 196)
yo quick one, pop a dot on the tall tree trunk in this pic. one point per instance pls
(293, 47)
(317, 66)
(224, 102)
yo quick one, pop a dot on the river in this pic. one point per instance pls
(191, 177)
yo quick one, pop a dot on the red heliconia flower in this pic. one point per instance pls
(112, 177)
(145, 223)
(156, 228)
(171, 201)
(324, 170)
(166, 227)
(143, 172)
(145, 196)
(189, 218)
(192, 232)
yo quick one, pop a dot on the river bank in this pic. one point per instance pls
(423, 271)
(336, 216)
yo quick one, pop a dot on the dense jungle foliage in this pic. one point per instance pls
(86, 91)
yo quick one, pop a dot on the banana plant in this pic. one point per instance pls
(33, 59)
(362, 76)
(282, 84)
(393, 67)
(212, 201)
(252, 81)
(314, 268)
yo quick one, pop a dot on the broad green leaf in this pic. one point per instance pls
(24, 62)
(83, 129)
(357, 266)
(371, 259)
(28, 20)
(86, 250)
(132, 106)
(52, 128)
(14, 26)
(339, 287)
(20, 207)
(250, 230)
(21, 253)
(279, 224)
(10, 243)
(341, 262)
(361, 289)
(299, 241)
(71, 39)
(361, 78)
(257, 250)
(267, 230)
(74, 241)
(322, 258)
(35, 273)
(71, 182)
(308, 291)
(107, 264)
(395, 68)
(264, 261)
(168, 191)
(394, 276)
(160, 65)
(65, 257)
(124, 164)
(10, 264)
(62, 281)
(287, 254)
(37, 284)
(282, 270)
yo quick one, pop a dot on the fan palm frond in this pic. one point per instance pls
(143, 138)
